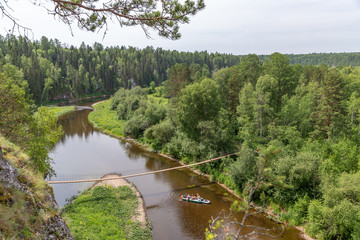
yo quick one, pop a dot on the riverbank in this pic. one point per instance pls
(60, 111)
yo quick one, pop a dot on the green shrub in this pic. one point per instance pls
(298, 213)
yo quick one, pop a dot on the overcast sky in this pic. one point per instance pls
(226, 26)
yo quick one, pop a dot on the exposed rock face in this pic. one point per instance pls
(9, 175)
(55, 227)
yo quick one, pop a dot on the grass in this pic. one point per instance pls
(105, 119)
(60, 111)
(105, 213)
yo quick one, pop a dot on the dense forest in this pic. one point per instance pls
(329, 59)
(299, 126)
(200, 105)
(56, 71)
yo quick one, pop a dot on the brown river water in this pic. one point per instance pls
(86, 153)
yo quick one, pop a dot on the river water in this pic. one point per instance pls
(86, 153)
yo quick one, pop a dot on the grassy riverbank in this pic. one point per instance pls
(105, 213)
(60, 111)
(106, 120)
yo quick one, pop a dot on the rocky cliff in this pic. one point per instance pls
(28, 209)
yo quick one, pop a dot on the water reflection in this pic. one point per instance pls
(76, 123)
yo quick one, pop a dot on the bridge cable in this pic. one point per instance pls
(140, 174)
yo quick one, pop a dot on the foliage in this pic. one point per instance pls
(307, 115)
(298, 213)
(37, 133)
(54, 72)
(244, 169)
(337, 216)
(341, 156)
(178, 78)
(180, 146)
(160, 134)
(302, 172)
(140, 112)
(105, 213)
(14, 110)
(228, 228)
(278, 67)
(199, 102)
(328, 112)
(163, 17)
(45, 134)
(127, 101)
(329, 59)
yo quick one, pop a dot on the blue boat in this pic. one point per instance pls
(194, 199)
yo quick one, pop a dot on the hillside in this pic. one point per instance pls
(28, 209)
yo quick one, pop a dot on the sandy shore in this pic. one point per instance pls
(304, 234)
(141, 214)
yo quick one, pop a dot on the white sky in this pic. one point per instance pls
(225, 26)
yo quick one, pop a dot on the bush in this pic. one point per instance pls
(298, 213)
(135, 126)
(243, 169)
(338, 222)
(161, 133)
(181, 146)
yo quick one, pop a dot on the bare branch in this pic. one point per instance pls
(5, 8)
(226, 221)
(128, 13)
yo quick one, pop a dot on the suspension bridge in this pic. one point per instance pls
(142, 174)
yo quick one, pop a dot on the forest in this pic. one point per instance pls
(307, 118)
(199, 105)
(56, 71)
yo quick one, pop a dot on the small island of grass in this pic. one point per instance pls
(107, 211)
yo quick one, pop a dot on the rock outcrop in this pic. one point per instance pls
(34, 215)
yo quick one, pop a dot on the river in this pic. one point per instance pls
(86, 153)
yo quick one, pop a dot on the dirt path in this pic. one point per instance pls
(141, 214)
